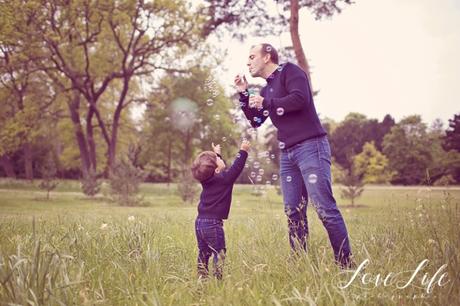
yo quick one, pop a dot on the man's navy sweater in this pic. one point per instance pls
(289, 103)
(216, 196)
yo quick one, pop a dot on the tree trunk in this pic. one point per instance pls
(7, 166)
(28, 161)
(187, 149)
(112, 145)
(295, 37)
(90, 139)
(169, 160)
(79, 134)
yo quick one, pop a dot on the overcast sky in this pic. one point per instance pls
(379, 56)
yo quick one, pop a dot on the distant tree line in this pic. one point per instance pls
(73, 76)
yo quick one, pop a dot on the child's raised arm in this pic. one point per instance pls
(238, 165)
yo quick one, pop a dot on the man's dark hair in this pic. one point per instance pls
(204, 165)
(269, 49)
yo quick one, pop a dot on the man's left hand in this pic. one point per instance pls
(256, 102)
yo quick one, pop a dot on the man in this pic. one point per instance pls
(305, 159)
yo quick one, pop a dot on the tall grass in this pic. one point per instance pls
(72, 250)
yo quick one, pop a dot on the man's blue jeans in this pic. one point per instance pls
(305, 172)
(211, 241)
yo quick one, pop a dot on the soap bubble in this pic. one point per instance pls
(259, 178)
(280, 67)
(281, 145)
(288, 178)
(209, 102)
(256, 165)
(253, 174)
(274, 177)
(268, 49)
(261, 171)
(224, 139)
(217, 117)
(266, 113)
(183, 112)
(280, 111)
(272, 156)
(312, 178)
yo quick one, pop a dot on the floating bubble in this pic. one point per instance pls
(281, 145)
(253, 174)
(261, 171)
(183, 112)
(167, 119)
(209, 102)
(238, 155)
(242, 104)
(245, 93)
(280, 111)
(266, 113)
(224, 139)
(246, 165)
(256, 164)
(268, 183)
(271, 89)
(312, 178)
(275, 177)
(268, 49)
(256, 119)
(280, 67)
(289, 179)
(217, 116)
(267, 160)
(259, 178)
(272, 156)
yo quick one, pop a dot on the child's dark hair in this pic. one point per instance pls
(204, 165)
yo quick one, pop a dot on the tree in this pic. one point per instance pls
(452, 137)
(26, 96)
(353, 184)
(349, 137)
(407, 147)
(254, 14)
(88, 47)
(185, 114)
(48, 172)
(373, 165)
(445, 166)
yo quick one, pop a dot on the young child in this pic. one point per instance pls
(215, 199)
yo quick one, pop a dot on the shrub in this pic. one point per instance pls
(125, 180)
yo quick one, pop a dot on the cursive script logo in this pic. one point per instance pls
(399, 280)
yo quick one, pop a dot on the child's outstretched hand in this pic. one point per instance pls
(245, 145)
(216, 148)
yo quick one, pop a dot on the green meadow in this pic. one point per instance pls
(75, 250)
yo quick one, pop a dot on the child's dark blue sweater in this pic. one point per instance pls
(216, 196)
(289, 103)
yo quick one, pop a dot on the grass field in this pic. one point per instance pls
(73, 250)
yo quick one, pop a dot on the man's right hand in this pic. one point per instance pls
(245, 145)
(241, 83)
